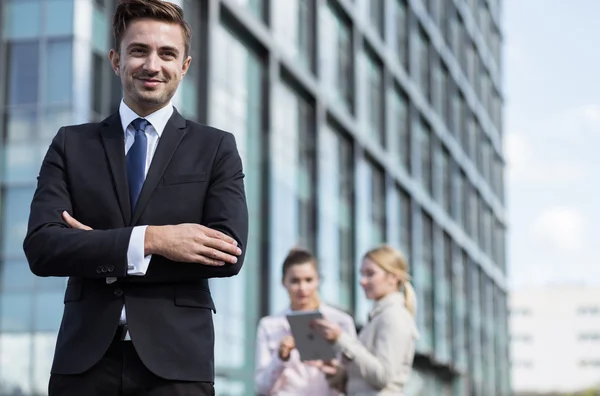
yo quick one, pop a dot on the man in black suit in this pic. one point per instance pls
(139, 211)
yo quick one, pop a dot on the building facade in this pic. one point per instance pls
(555, 339)
(358, 122)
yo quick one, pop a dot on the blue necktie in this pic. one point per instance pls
(136, 161)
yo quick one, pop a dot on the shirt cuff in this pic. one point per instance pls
(137, 264)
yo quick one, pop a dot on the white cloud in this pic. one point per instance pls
(560, 228)
(524, 165)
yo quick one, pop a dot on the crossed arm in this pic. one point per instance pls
(58, 245)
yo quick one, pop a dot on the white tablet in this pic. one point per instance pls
(309, 343)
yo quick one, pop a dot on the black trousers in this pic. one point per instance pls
(121, 373)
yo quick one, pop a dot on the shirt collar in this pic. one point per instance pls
(158, 119)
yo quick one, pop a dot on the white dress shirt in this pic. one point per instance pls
(137, 263)
(292, 377)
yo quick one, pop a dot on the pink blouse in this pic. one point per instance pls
(292, 378)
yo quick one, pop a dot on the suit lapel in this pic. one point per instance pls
(113, 139)
(171, 137)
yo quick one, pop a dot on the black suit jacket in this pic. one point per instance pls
(195, 177)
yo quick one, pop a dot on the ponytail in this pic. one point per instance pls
(410, 298)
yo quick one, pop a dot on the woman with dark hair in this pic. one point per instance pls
(279, 370)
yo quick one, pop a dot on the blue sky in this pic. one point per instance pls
(552, 140)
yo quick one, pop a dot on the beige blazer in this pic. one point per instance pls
(380, 361)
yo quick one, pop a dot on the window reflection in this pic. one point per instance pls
(336, 245)
(426, 282)
(48, 308)
(59, 72)
(336, 56)
(236, 106)
(16, 215)
(58, 17)
(16, 276)
(399, 134)
(292, 24)
(15, 364)
(15, 312)
(21, 162)
(21, 19)
(23, 73)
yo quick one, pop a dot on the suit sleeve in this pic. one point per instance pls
(52, 248)
(225, 207)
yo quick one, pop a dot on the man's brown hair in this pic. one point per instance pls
(129, 10)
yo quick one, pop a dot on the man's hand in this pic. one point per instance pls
(70, 220)
(286, 346)
(191, 243)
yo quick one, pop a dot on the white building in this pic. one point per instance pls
(555, 338)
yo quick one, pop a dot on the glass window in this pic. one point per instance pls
(293, 22)
(446, 175)
(374, 98)
(376, 15)
(255, 6)
(98, 67)
(23, 73)
(16, 312)
(438, 85)
(236, 106)
(22, 19)
(188, 101)
(336, 203)
(48, 310)
(21, 125)
(378, 212)
(453, 32)
(52, 120)
(399, 136)
(467, 210)
(22, 162)
(461, 185)
(15, 275)
(100, 31)
(402, 27)
(293, 182)
(438, 12)
(15, 218)
(426, 283)
(457, 113)
(446, 296)
(426, 156)
(15, 363)
(423, 68)
(405, 222)
(59, 72)
(336, 56)
(58, 17)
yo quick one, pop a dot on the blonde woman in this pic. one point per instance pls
(279, 370)
(380, 361)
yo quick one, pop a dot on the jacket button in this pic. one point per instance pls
(110, 268)
(118, 292)
(99, 270)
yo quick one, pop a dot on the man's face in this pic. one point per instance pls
(151, 64)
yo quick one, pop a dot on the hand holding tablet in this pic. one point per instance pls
(309, 342)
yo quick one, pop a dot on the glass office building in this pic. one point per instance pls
(358, 122)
